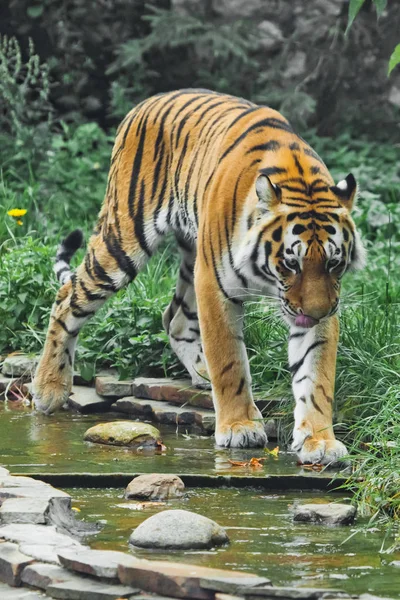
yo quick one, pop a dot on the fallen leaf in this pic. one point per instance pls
(273, 452)
(255, 463)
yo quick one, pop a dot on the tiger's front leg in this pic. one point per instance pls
(312, 362)
(239, 423)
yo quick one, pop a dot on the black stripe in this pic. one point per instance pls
(101, 274)
(297, 365)
(312, 398)
(137, 163)
(139, 221)
(183, 339)
(272, 171)
(118, 254)
(298, 165)
(240, 388)
(268, 146)
(227, 367)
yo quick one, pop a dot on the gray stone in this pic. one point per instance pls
(18, 365)
(82, 588)
(99, 563)
(12, 563)
(24, 510)
(42, 552)
(297, 65)
(86, 400)
(395, 563)
(155, 486)
(36, 492)
(394, 96)
(372, 597)
(41, 575)
(124, 433)
(21, 480)
(177, 391)
(4, 472)
(111, 387)
(178, 529)
(32, 534)
(271, 429)
(269, 35)
(164, 412)
(328, 514)
(291, 593)
(183, 580)
(7, 593)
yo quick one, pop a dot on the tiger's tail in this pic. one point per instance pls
(65, 252)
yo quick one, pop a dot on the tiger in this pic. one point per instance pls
(254, 210)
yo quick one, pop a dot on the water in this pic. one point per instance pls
(263, 537)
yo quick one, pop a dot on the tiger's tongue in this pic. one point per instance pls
(305, 321)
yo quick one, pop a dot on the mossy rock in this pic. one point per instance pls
(124, 433)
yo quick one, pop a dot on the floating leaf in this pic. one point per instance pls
(274, 452)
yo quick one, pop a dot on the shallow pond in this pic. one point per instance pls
(263, 537)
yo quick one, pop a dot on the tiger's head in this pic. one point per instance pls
(307, 241)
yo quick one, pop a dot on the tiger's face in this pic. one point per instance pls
(306, 249)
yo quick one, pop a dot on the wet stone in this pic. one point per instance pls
(12, 563)
(41, 575)
(86, 400)
(82, 588)
(32, 534)
(165, 412)
(24, 510)
(111, 387)
(99, 563)
(124, 433)
(178, 529)
(395, 563)
(43, 552)
(291, 593)
(155, 486)
(182, 580)
(19, 365)
(7, 593)
(327, 514)
(177, 391)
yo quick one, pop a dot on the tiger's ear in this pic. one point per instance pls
(268, 193)
(346, 191)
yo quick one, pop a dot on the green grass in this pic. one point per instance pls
(64, 189)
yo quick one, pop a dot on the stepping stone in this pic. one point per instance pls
(99, 563)
(32, 534)
(12, 563)
(155, 486)
(20, 365)
(41, 575)
(34, 492)
(11, 481)
(42, 552)
(292, 593)
(177, 391)
(178, 529)
(8, 593)
(82, 588)
(24, 510)
(86, 400)
(331, 513)
(124, 433)
(165, 412)
(184, 581)
(4, 472)
(111, 387)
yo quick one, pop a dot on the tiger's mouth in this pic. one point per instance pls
(305, 321)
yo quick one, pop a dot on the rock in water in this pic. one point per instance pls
(124, 433)
(328, 514)
(178, 529)
(155, 486)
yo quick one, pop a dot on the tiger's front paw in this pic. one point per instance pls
(242, 434)
(50, 394)
(313, 450)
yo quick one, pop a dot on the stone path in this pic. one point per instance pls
(160, 400)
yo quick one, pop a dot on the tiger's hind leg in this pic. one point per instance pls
(181, 322)
(100, 275)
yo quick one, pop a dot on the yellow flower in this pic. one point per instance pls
(17, 212)
(19, 222)
(96, 166)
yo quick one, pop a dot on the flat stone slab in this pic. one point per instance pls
(10, 481)
(86, 400)
(112, 388)
(182, 580)
(82, 588)
(35, 492)
(17, 365)
(41, 575)
(331, 513)
(12, 563)
(291, 593)
(42, 552)
(178, 529)
(155, 486)
(4, 472)
(177, 391)
(24, 510)
(99, 563)
(8, 593)
(165, 412)
(33, 534)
